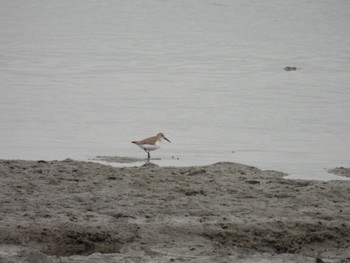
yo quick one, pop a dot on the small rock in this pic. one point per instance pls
(197, 172)
(252, 182)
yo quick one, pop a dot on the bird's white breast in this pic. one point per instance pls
(150, 147)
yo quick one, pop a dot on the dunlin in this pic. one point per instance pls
(151, 143)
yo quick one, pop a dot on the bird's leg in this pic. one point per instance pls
(148, 155)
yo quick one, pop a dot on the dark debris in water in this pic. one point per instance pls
(290, 68)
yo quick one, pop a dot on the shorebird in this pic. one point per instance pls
(151, 143)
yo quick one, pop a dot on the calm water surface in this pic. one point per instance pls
(84, 78)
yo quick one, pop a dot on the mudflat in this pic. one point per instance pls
(72, 211)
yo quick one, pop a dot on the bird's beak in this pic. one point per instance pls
(166, 139)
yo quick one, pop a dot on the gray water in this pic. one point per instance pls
(84, 78)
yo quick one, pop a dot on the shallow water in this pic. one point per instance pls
(85, 78)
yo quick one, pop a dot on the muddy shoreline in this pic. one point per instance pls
(72, 211)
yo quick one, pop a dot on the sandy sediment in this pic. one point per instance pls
(70, 211)
(341, 171)
(119, 159)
